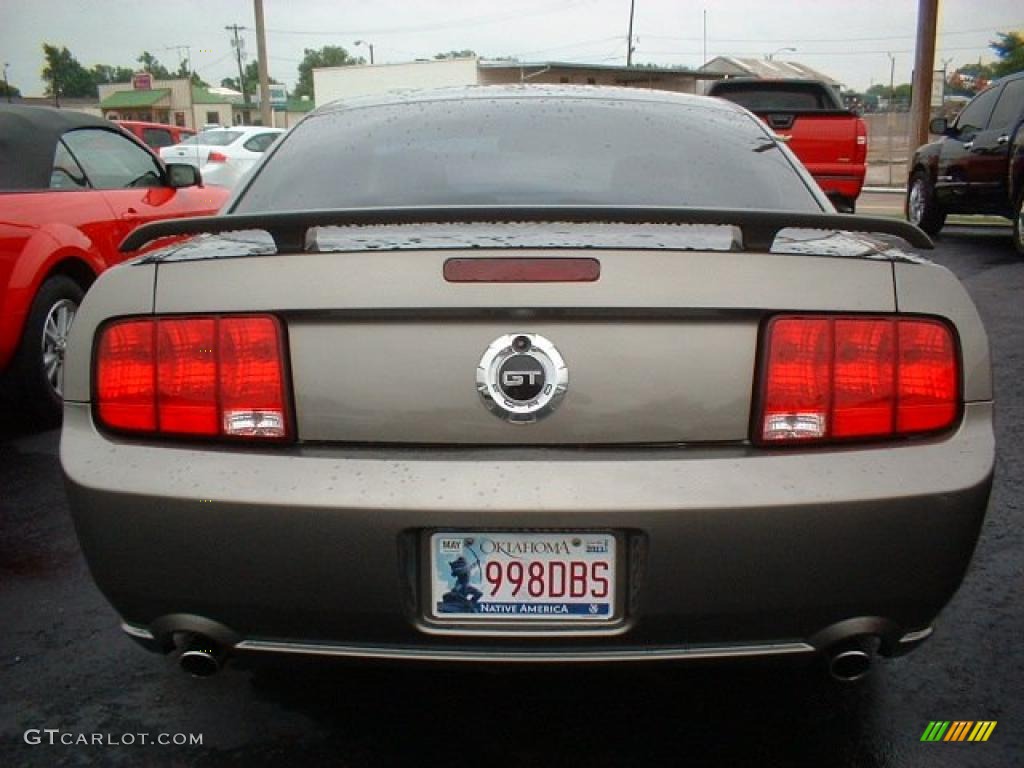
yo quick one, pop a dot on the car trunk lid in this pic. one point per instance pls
(660, 348)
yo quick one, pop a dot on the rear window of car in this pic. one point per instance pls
(532, 151)
(213, 138)
(157, 137)
(759, 97)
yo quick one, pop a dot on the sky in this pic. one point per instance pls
(849, 40)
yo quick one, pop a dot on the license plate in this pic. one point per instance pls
(518, 576)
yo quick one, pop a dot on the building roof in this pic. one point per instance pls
(134, 98)
(201, 95)
(510, 64)
(768, 70)
(299, 105)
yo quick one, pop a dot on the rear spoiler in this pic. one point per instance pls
(758, 228)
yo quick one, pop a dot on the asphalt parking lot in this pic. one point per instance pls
(65, 665)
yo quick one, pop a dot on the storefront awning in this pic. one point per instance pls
(134, 99)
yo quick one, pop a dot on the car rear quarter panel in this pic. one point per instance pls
(38, 231)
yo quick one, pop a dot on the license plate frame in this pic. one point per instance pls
(480, 547)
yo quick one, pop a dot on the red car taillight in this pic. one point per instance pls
(860, 153)
(857, 377)
(207, 376)
(216, 157)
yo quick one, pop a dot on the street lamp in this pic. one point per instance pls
(7, 86)
(368, 45)
(771, 55)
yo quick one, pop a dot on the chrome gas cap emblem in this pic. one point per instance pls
(522, 378)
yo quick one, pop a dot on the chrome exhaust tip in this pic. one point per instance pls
(202, 657)
(850, 664)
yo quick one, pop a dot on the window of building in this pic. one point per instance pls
(179, 119)
(212, 117)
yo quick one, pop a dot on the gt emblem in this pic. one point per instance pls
(522, 377)
(510, 379)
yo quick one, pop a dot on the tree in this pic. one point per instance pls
(465, 53)
(252, 79)
(64, 76)
(104, 73)
(150, 64)
(328, 56)
(1009, 49)
(184, 71)
(9, 92)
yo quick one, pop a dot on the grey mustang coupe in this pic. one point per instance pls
(528, 374)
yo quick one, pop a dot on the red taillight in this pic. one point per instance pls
(840, 378)
(860, 153)
(197, 376)
(216, 157)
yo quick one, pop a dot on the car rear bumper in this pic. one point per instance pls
(842, 180)
(729, 550)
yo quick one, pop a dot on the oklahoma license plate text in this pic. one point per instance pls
(523, 576)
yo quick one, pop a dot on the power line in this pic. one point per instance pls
(817, 53)
(990, 30)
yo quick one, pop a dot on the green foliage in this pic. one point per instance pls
(184, 72)
(252, 80)
(105, 73)
(64, 76)
(150, 64)
(465, 53)
(328, 56)
(1010, 50)
(10, 90)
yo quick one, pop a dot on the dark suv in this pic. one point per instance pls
(978, 164)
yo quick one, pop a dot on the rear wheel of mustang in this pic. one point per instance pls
(38, 365)
(922, 208)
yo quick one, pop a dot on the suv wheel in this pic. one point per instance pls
(922, 209)
(38, 365)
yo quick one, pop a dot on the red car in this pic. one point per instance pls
(72, 187)
(156, 135)
(831, 141)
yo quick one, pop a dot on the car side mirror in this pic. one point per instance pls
(938, 126)
(183, 175)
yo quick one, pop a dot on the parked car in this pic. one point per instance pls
(977, 166)
(156, 135)
(224, 155)
(71, 188)
(830, 140)
(554, 375)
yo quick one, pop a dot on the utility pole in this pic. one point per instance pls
(266, 113)
(888, 116)
(629, 42)
(924, 66)
(705, 59)
(238, 55)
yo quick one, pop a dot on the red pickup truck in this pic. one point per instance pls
(72, 187)
(831, 142)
